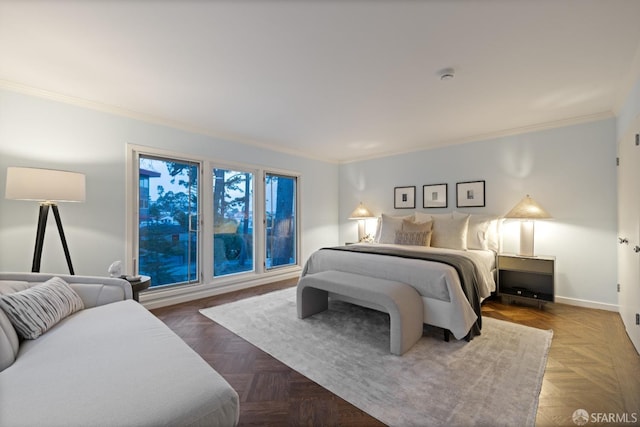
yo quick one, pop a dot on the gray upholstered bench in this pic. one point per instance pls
(401, 301)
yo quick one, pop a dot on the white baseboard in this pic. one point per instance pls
(163, 298)
(171, 296)
(588, 304)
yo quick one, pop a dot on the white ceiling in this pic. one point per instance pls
(336, 80)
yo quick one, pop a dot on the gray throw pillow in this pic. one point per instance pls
(34, 311)
(413, 238)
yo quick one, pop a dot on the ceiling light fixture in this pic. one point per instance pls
(446, 73)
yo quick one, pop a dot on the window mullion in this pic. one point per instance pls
(206, 221)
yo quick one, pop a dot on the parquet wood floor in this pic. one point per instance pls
(592, 365)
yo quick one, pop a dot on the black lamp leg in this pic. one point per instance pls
(56, 214)
(42, 226)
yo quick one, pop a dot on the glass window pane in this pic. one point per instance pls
(280, 214)
(167, 221)
(232, 222)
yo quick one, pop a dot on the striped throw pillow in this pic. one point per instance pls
(34, 311)
(413, 238)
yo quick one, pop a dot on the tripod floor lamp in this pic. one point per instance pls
(48, 187)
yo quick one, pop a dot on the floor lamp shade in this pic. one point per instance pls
(527, 211)
(45, 185)
(48, 187)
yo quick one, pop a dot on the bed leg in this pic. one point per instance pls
(446, 335)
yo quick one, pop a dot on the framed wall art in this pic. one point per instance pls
(434, 196)
(470, 194)
(404, 197)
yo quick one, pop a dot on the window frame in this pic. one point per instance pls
(133, 210)
(257, 216)
(284, 174)
(206, 280)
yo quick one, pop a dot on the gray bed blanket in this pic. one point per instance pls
(464, 266)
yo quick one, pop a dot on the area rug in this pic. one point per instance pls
(494, 380)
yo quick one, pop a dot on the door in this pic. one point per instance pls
(629, 231)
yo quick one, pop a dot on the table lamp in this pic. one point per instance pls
(361, 213)
(48, 187)
(527, 211)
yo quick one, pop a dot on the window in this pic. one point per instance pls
(232, 221)
(280, 215)
(167, 220)
(194, 221)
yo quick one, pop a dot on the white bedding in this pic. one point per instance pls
(445, 303)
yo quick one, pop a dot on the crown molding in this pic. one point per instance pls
(83, 103)
(148, 118)
(492, 135)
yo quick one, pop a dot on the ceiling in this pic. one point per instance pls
(334, 80)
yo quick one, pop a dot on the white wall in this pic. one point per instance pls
(570, 171)
(629, 111)
(37, 132)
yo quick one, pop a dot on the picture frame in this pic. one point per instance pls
(435, 196)
(470, 194)
(404, 197)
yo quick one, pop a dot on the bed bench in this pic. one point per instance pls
(401, 301)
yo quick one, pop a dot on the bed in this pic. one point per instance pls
(398, 252)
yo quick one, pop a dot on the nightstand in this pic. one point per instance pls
(527, 278)
(141, 284)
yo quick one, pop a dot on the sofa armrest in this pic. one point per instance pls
(93, 290)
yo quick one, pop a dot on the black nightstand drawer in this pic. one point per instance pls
(536, 265)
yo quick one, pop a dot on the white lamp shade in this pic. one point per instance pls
(527, 208)
(45, 185)
(361, 212)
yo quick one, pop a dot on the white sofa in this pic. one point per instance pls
(111, 364)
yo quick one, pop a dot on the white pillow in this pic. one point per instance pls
(450, 233)
(388, 225)
(410, 225)
(424, 217)
(482, 232)
(493, 235)
(34, 311)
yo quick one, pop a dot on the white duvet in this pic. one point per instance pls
(439, 284)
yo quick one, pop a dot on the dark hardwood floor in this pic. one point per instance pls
(592, 365)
